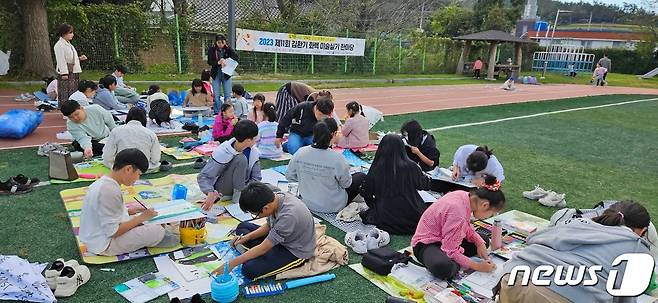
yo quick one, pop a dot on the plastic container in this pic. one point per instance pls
(497, 235)
(225, 288)
(179, 192)
(190, 236)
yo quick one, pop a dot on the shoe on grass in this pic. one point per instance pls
(553, 199)
(535, 194)
(357, 241)
(199, 163)
(55, 270)
(70, 279)
(10, 187)
(22, 179)
(165, 166)
(377, 238)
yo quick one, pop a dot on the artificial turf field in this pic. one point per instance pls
(591, 155)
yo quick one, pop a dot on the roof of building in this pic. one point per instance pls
(591, 35)
(493, 35)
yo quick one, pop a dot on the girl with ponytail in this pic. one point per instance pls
(471, 161)
(325, 183)
(267, 133)
(355, 130)
(445, 239)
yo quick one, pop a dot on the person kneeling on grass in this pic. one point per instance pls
(284, 242)
(232, 166)
(445, 238)
(107, 227)
(621, 229)
(299, 122)
(88, 125)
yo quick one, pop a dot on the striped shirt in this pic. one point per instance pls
(448, 221)
(266, 138)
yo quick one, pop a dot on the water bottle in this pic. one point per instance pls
(200, 117)
(497, 235)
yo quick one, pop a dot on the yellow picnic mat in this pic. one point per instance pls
(150, 192)
(180, 153)
(93, 167)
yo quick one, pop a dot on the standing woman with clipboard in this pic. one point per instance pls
(217, 55)
(68, 64)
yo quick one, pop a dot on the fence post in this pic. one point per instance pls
(276, 62)
(347, 35)
(399, 53)
(312, 56)
(116, 41)
(374, 57)
(424, 50)
(178, 56)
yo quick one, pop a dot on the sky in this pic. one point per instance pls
(641, 3)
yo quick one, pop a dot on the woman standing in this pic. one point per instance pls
(68, 63)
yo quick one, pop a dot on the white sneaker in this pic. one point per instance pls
(553, 199)
(357, 241)
(56, 269)
(536, 193)
(70, 279)
(377, 238)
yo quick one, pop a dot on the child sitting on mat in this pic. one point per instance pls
(471, 161)
(391, 189)
(222, 130)
(133, 134)
(267, 133)
(621, 229)
(232, 166)
(197, 96)
(240, 103)
(107, 227)
(445, 238)
(355, 130)
(284, 242)
(421, 145)
(88, 126)
(325, 182)
(257, 114)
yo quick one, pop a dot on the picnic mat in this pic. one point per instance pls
(344, 226)
(370, 148)
(520, 222)
(92, 167)
(175, 127)
(180, 153)
(151, 192)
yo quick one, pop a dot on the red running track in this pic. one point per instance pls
(389, 100)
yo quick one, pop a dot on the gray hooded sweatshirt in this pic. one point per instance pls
(228, 171)
(581, 242)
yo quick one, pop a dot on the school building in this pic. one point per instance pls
(590, 39)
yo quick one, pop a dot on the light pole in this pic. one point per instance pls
(551, 42)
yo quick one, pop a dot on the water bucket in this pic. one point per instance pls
(190, 236)
(224, 289)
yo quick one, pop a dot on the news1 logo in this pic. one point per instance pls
(634, 281)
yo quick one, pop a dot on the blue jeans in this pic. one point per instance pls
(220, 82)
(295, 142)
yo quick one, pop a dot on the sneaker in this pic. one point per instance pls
(536, 193)
(199, 163)
(22, 179)
(377, 238)
(70, 279)
(10, 187)
(55, 271)
(46, 148)
(165, 166)
(357, 241)
(553, 199)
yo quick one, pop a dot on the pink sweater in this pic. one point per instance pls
(477, 64)
(448, 221)
(221, 128)
(354, 133)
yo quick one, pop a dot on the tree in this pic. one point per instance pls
(497, 19)
(38, 54)
(451, 21)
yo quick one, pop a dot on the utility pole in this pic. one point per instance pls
(231, 23)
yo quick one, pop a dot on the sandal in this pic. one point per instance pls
(11, 188)
(23, 180)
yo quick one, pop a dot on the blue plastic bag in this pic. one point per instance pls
(18, 123)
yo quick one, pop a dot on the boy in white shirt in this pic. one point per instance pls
(107, 227)
(240, 105)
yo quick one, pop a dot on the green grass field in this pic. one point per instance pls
(591, 155)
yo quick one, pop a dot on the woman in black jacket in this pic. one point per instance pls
(217, 54)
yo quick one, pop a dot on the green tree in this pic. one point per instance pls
(451, 21)
(497, 19)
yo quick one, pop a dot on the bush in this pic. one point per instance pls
(104, 31)
(636, 62)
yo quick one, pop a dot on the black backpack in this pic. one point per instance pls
(381, 260)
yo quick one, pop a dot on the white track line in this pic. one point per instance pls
(539, 114)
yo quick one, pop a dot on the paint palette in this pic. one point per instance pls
(262, 290)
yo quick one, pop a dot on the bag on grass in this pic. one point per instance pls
(381, 260)
(18, 123)
(61, 166)
(160, 111)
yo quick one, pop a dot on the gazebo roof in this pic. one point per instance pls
(493, 35)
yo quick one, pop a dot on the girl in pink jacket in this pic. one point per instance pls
(445, 239)
(222, 130)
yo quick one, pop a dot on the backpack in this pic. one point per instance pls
(381, 260)
(160, 111)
